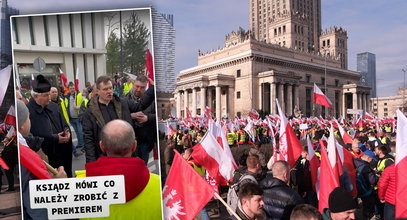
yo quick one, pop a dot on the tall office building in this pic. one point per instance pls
(366, 65)
(301, 21)
(5, 36)
(164, 51)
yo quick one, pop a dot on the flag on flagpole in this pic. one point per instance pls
(347, 163)
(401, 166)
(289, 145)
(185, 192)
(320, 98)
(31, 161)
(345, 136)
(10, 118)
(209, 154)
(63, 77)
(5, 78)
(253, 114)
(149, 66)
(77, 80)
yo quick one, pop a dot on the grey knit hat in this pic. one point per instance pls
(22, 113)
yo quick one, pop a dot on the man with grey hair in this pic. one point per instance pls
(279, 198)
(143, 200)
(47, 122)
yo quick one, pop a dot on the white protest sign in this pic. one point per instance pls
(303, 126)
(77, 197)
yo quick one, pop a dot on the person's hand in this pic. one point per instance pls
(151, 81)
(61, 173)
(63, 137)
(140, 117)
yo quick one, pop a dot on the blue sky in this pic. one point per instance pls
(375, 26)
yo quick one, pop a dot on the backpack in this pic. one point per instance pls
(232, 197)
(364, 187)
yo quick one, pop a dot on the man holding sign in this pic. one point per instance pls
(143, 198)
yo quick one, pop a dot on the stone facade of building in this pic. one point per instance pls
(387, 106)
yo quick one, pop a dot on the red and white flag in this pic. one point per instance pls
(320, 98)
(401, 166)
(253, 114)
(209, 154)
(289, 145)
(347, 163)
(345, 136)
(63, 77)
(5, 78)
(3, 164)
(169, 131)
(313, 163)
(220, 135)
(31, 160)
(250, 130)
(77, 80)
(328, 181)
(369, 116)
(149, 66)
(185, 192)
(10, 118)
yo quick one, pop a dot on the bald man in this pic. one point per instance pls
(279, 198)
(143, 200)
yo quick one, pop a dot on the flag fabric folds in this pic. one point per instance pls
(401, 166)
(63, 77)
(5, 78)
(320, 98)
(209, 154)
(185, 192)
(149, 66)
(77, 80)
(31, 160)
(10, 118)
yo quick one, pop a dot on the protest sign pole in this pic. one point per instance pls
(227, 206)
(50, 168)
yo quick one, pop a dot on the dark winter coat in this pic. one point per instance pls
(93, 120)
(47, 122)
(279, 199)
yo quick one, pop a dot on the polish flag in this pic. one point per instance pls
(347, 163)
(63, 77)
(5, 78)
(10, 118)
(328, 181)
(313, 163)
(219, 133)
(289, 145)
(77, 80)
(149, 66)
(320, 98)
(250, 130)
(369, 116)
(401, 166)
(31, 161)
(169, 131)
(209, 154)
(345, 136)
(185, 192)
(253, 114)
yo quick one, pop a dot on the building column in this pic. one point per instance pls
(194, 102)
(343, 110)
(289, 99)
(179, 104)
(210, 98)
(296, 96)
(281, 96)
(261, 95)
(354, 100)
(218, 103)
(368, 107)
(273, 96)
(186, 102)
(203, 99)
(230, 102)
(359, 100)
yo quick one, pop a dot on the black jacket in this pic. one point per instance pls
(279, 199)
(47, 122)
(93, 120)
(367, 172)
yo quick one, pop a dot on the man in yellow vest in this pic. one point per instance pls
(385, 159)
(143, 193)
(73, 102)
(53, 93)
(127, 86)
(241, 136)
(231, 138)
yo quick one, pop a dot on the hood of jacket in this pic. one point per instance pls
(136, 174)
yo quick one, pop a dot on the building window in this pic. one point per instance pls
(385, 109)
(239, 114)
(374, 104)
(46, 30)
(237, 73)
(307, 78)
(327, 42)
(238, 95)
(385, 114)
(284, 29)
(336, 83)
(323, 80)
(385, 103)
(31, 27)
(323, 43)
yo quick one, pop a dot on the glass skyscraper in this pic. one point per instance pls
(366, 65)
